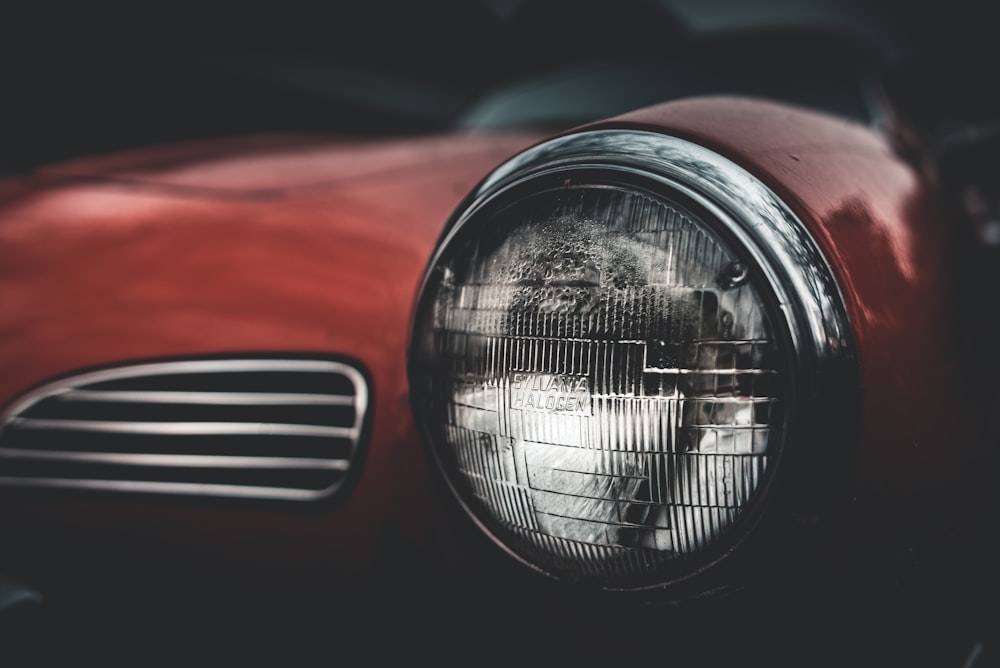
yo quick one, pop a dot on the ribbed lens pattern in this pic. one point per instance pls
(606, 382)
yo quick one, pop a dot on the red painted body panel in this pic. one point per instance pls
(271, 244)
(311, 244)
(877, 218)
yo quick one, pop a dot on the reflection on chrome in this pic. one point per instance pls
(619, 325)
(751, 211)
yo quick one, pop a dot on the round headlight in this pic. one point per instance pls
(607, 353)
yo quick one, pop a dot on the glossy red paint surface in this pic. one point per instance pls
(876, 217)
(264, 244)
(316, 245)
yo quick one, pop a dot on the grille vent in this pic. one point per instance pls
(280, 429)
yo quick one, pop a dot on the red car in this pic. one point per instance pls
(666, 334)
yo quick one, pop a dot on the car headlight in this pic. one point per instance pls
(615, 348)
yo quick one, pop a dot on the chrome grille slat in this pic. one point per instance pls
(241, 398)
(183, 428)
(191, 461)
(301, 434)
(177, 488)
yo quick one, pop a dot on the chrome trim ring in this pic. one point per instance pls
(822, 427)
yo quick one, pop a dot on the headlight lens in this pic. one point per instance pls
(604, 373)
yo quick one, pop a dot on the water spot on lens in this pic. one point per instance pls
(733, 274)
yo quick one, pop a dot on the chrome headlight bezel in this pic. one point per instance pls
(780, 252)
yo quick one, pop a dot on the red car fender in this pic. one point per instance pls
(878, 219)
(257, 245)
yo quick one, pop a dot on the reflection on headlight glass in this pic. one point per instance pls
(607, 384)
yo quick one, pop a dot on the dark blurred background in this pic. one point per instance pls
(79, 80)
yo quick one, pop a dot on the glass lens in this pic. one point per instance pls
(604, 387)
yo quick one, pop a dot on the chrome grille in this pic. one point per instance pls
(282, 429)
